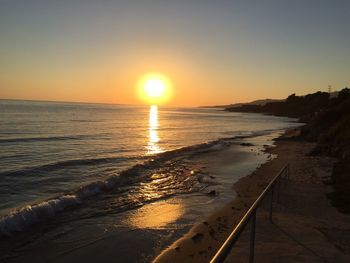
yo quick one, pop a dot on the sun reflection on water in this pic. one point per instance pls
(152, 145)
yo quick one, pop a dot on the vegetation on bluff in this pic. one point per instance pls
(327, 123)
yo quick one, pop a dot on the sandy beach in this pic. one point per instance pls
(306, 227)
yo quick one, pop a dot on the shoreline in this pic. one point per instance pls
(160, 222)
(204, 239)
(33, 213)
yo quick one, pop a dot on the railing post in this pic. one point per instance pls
(252, 238)
(279, 189)
(271, 202)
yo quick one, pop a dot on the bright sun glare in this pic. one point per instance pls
(155, 88)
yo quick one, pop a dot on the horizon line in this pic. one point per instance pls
(88, 102)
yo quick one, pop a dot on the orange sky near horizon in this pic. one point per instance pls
(191, 87)
(193, 84)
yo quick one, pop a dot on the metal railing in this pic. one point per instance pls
(250, 216)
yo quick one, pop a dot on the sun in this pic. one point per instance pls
(155, 88)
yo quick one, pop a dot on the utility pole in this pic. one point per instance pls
(329, 89)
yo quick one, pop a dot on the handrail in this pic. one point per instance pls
(225, 249)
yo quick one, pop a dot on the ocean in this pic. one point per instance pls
(70, 162)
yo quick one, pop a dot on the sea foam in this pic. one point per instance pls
(18, 220)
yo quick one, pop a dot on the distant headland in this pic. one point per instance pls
(327, 118)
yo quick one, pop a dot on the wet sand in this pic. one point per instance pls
(306, 227)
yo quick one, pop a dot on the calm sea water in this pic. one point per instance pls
(48, 149)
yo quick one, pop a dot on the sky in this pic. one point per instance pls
(214, 52)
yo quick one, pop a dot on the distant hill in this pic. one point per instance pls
(216, 106)
(294, 106)
(261, 102)
(255, 102)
